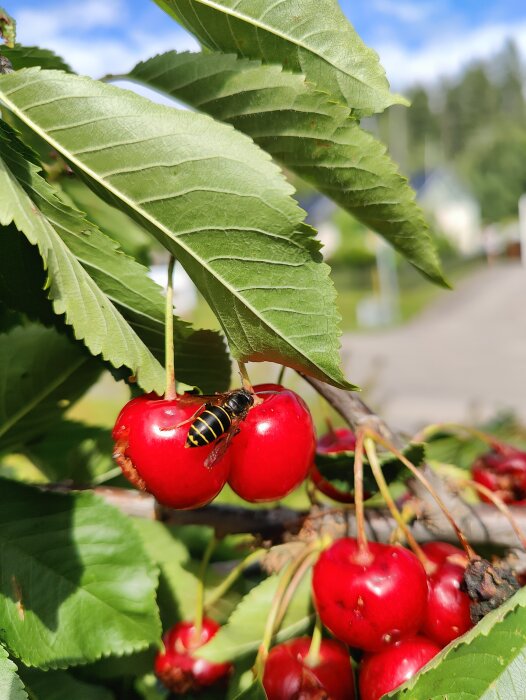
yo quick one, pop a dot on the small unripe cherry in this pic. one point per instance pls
(273, 451)
(383, 672)
(152, 455)
(289, 675)
(369, 598)
(178, 669)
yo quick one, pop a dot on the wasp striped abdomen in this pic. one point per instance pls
(209, 425)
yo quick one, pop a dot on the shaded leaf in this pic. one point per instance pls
(43, 373)
(22, 277)
(308, 36)
(11, 687)
(60, 685)
(310, 135)
(236, 230)
(244, 630)
(486, 663)
(177, 585)
(89, 595)
(74, 452)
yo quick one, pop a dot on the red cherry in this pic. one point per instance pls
(157, 460)
(447, 614)
(288, 676)
(438, 552)
(503, 470)
(275, 446)
(178, 669)
(338, 440)
(369, 599)
(383, 672)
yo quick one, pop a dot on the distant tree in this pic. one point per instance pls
(498, 174)
(509, 73)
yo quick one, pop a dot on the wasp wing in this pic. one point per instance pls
(222, 444)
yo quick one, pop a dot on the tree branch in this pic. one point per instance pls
(485, 524)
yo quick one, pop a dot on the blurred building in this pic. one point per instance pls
(453, 208)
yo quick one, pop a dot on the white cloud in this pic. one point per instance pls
(34, 25)
(405, 11)
(446, 54)
(79, 34)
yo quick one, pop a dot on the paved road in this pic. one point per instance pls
(463, 359)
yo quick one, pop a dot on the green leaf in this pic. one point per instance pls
(29, 56)
(244, 630)
(455, 449)
(308, 36)
(217, 203)
(255, 692)
(177, 585)
(43, 373)
(105, 295)
(60, 685)
(339, 466)
(74, 452)
(308, 134)
(88, 595)
(130, 237)
(11, 687)
(486, 663)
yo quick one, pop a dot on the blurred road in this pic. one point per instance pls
(463, 359)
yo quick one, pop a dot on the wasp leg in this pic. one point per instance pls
(184, 422)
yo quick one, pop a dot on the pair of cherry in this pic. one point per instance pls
(269, 458)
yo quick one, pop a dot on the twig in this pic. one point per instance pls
(486, 524)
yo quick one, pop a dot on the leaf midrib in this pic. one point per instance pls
(272, 30)
(157, 224)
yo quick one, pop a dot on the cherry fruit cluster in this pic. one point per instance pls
(268, 458)
(379, 602)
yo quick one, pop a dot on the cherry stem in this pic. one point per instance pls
(313, 657)
(169, 355)
(247, 384)
(273, 616)
(374, 463)
(281, 374)
(418, 475)
(330, 426)
(219, 591)
(293, 586)
(200, 598)
(457, 428)
(499, 503)
(358, 493)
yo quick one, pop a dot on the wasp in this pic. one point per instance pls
(218, 420)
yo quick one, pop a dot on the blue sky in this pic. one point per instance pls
(417, 40)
